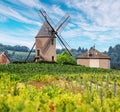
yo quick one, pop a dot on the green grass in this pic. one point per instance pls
(49, 68)
(20, 53)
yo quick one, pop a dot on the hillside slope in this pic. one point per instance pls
(19, 53)
(42, 87)
(49, 68)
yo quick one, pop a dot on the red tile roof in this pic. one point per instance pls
(93, 54)
(1, 53)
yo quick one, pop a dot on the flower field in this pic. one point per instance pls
(40, 87)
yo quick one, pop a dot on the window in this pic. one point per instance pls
(52, 58)
(38, 52)
(90, 55)
(52, 41)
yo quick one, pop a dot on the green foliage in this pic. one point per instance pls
(47, 68)
(40, 87)
(19, 53)
(64, 57)
(114, 53)
(75, 52)
(15, 48)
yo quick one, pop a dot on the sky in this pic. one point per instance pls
(92, 22)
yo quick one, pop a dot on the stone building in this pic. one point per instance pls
(45, 44)
(3, 58)
(94, 58)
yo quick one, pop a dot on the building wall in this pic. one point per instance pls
(84, 62)
(104, 63)
(51, 50)
(97, 63)
(94, 63)
(4, 59)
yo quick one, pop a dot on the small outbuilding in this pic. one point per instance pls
(3, 58)
(94, 58)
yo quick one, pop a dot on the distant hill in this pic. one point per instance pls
(19, 53)
(114, 53)
(75, 52)
(14, 48)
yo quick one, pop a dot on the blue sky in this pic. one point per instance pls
(92, 21)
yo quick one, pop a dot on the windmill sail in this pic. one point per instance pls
(46, 37)
(62, 23)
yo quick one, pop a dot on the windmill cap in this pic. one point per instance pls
(45, 30)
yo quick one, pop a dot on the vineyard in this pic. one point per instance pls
(40, 87)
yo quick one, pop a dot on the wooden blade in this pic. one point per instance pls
(62, 23)
(30, 52)
(64, 44)
(45, 17)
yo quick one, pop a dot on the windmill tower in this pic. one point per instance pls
(45, 44)
(45, 40)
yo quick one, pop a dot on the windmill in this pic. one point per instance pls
(46, 38)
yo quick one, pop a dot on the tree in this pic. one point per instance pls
(65, 58)
(114, 53)
(58, 51)
(13, 53)
(79, 49)
(110, 49)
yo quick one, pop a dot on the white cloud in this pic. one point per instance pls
(3, 18)
(58, 46)
(11, 13)
(27, 3)
(97, 20)
(24, 36)
(55, 12)
(91, 35)
(72, 33)
(102, 12)
(111, 36)
(10, 40)
(32, 3)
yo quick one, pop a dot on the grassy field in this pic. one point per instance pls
(19, 56)
(20, 53)
(41, 87)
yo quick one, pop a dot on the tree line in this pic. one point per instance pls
(113, 52)
(14, 48)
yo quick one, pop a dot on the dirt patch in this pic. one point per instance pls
(72, 86)
(37, 84)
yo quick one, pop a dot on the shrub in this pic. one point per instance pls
(64, 57)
